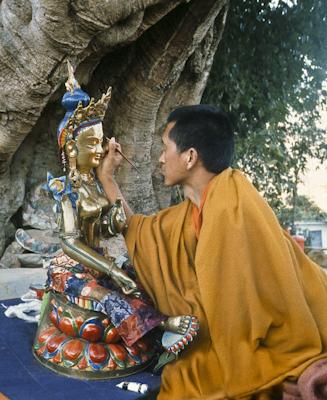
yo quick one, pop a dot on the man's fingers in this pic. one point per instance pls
(105, 150)
(114, 146)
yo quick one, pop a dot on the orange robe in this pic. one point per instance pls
(260, 301)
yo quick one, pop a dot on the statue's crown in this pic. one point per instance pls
(81, 110)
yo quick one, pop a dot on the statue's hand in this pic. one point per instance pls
(110, 161)
(127, 284)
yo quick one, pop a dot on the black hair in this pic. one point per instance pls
(208, 130)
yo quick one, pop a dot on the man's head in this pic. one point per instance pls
(196, 135)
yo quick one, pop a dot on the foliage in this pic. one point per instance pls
(268, 75)
(306, 210)
(276, 156)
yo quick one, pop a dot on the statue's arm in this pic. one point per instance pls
(74, 247)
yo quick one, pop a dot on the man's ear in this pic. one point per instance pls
(191, 157)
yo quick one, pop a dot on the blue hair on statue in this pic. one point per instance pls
(81, 111)
(70, 102)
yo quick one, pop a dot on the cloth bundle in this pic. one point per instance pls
(29, 310)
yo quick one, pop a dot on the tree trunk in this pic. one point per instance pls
(155, 53)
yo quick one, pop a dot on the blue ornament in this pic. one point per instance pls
(58, 187)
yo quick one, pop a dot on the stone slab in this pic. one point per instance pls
(14, 282)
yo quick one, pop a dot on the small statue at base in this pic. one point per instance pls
(95, 315)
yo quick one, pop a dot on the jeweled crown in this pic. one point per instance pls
(81, 110)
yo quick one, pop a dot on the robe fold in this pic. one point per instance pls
(260, 301)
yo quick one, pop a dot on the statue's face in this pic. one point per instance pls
(89, 147)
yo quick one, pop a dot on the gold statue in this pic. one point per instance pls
(94, 314)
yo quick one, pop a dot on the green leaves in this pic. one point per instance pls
(306, 210)
(268, 75)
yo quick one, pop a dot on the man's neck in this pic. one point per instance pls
(194, 188)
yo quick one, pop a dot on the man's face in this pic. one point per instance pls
(173, 165)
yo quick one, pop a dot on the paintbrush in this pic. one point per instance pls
(125, 157)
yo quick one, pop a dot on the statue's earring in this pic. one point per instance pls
(73, 175)
(63, 160)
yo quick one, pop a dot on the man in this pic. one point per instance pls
(222, 256)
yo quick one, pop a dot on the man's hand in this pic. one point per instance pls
(110, 161)
(105, 172)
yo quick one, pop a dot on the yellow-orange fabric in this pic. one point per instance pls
(261, 302)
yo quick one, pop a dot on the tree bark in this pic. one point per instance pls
(155, 53)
